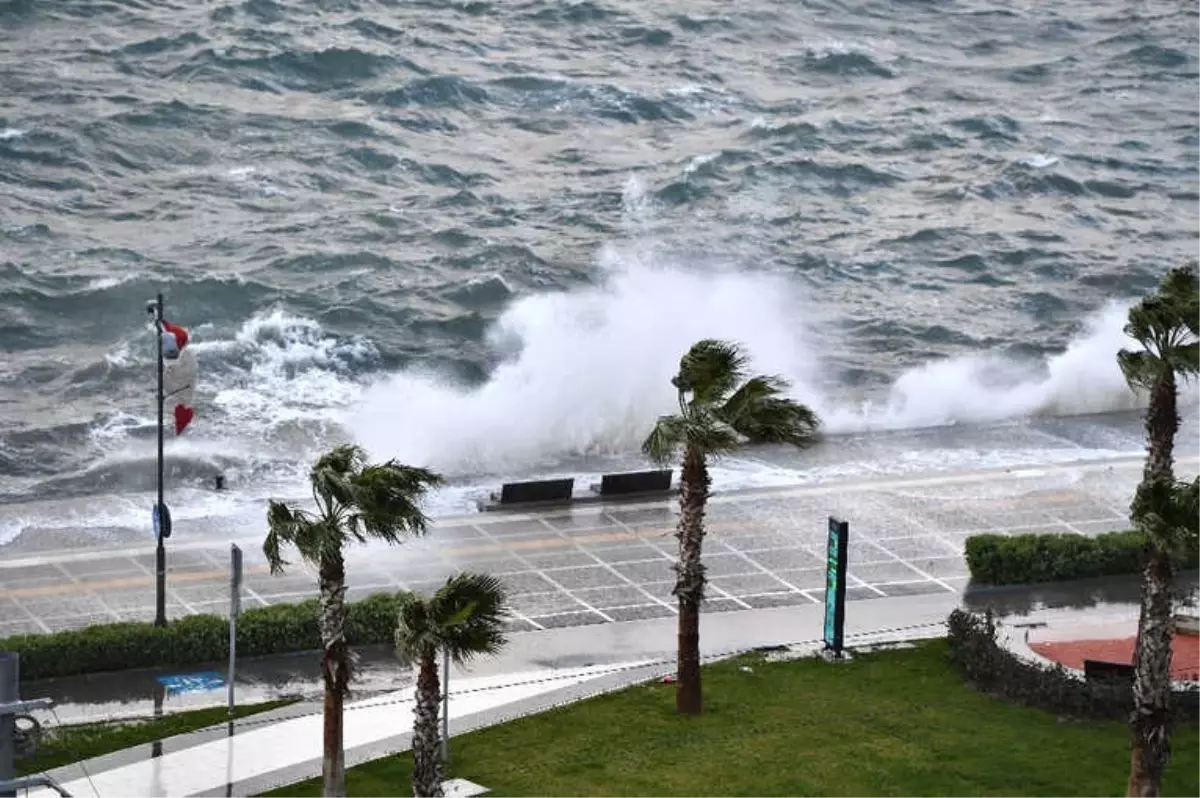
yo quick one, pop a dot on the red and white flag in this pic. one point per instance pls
(179, 374)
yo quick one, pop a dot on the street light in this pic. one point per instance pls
(160, 514)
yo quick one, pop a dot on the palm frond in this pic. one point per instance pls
(416, 634)
(465, 618)
(710, 370)
(472, 608)
(749, 395)
(665, 440)
(332, 472)
(708, 433)
(1141, 369)
(1165, 324)
(354, 501)
(777, 420)
(1169, 513)
(285, 527)
(1187, 359)
(386, 501)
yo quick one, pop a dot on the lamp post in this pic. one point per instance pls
(161, 515)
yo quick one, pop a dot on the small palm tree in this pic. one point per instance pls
(465, 618)
(355, 502)
(1164, 324)
(720, 410)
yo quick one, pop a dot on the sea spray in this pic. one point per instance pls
(587, 371)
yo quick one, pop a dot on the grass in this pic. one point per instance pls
(889, 723)
(66, 744)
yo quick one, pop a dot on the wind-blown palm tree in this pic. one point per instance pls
(355, 502)
(464, 619)
(719, 411)
(1164, 324)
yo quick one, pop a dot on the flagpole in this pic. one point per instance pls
(161, 516)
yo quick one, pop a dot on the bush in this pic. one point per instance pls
(990, 667)
(194, 639)
(1021, 559)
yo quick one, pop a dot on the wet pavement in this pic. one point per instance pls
(157, 691)
(142, 693)
(612, 564)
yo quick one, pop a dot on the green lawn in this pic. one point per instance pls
(889, 723)
(62, 746)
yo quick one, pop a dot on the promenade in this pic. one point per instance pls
(609, 564)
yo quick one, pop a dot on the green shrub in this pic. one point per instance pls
(1021, 559)
(992, 668)
(195, 639)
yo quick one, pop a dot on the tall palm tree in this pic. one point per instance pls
(1164, 324)
(464, 618)
(355, 502)
(719, 411)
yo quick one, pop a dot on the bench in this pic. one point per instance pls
(535, 492)
(634, 483)
(1102, 671)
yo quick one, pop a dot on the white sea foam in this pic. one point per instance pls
(588, 372)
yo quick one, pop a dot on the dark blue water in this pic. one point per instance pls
(479, 234)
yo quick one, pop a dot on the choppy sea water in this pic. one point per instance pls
(478, 235)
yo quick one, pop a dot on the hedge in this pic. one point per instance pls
(990, 667)
(194, 639)
(1022, 559)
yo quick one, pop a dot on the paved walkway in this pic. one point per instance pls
(598, 565)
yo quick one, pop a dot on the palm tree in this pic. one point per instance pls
(354, 502)
(1164, 324)
(462, 619)
(719, 411)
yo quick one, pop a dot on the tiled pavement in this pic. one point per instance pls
(596, 565)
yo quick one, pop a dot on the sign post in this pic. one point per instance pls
(835, 585)
(235, 609)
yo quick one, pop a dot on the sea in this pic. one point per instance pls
(477, 235)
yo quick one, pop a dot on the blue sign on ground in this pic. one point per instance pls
(192, 682)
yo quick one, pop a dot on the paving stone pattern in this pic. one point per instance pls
(608, 564)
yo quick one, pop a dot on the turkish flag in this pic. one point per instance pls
(183, 417)
(179, 376)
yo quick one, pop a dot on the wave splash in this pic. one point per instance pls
(586, 372)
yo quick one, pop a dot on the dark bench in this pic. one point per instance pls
(634, 483)
(1101, 671)
(546, 490)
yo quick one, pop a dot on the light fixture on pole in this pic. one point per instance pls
(160, 513)
(176, 363)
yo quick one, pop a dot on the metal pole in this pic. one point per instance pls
(160, 558)
(10, 693)
(445, 706)
(235, 609)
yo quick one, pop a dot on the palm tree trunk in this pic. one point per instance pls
(1149, 723)
(427, 775)
(1162, 423)
(689, 584)
(335, 672)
